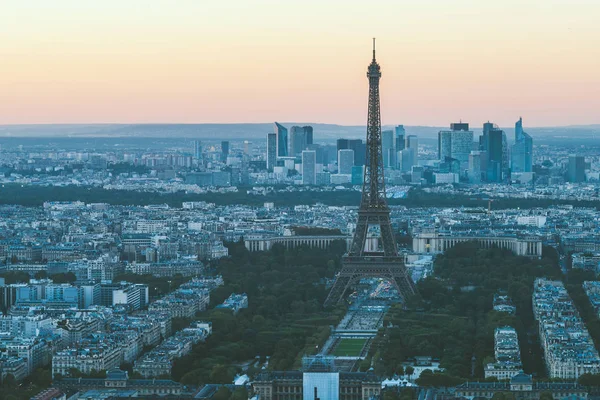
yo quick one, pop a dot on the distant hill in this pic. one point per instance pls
(252, 131)
(226, 131)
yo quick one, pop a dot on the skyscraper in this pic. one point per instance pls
(300, 138)
(456, 143)
(224, 150)
(387, 148)
(576, 168)
(400, 134)
(411, 142)
(444, 145)
(412, 145)
(406, 159)
(197, 149)
(308, 131)
(342, 144)
(309, 167)
(345, 161)
(459, 126)
(522, 150)
(296, 141)
(282, 140)
(495, 146)
(483, 139)
(360, 149)
(321, 153)
(462, 143)
(271, 151)
(323, 178)
(474, 171)
(357, 174)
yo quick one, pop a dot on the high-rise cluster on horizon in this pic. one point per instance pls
(294, 151)
(291, 143)
(488, 160)
(461, 155)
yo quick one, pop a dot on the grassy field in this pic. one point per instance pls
(349, 347)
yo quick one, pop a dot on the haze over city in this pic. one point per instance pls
(239, 61)
(300, 200)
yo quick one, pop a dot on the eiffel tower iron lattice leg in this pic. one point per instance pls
(353, 270)
(362, 261)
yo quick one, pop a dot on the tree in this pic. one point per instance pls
(240, 393)
(546, 396)
(409, 370)
(589, 380)
(258, 321)
(126, 366)
(408, 394)
(41, 275)
(279, 283)
(503, 396)
(437, 379)
(97, 374)
(222, 394)
(425, 377)
(400, 370)
(9, 381)
(74, 373)
(178, 323)
(391, 394)
(15, 277)
(509, 396)
(221, 374)
(364, 365)
(314, 231)
(63, 277)
(41, 377)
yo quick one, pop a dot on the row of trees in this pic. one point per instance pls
(36, 195)
(314, 231)
(11, 277)
(157, 286)
(10, 389)
(284, 318)
(453, 320)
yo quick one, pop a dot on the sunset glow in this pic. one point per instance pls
(259, 61)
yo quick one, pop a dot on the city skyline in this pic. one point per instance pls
(300, 260)
(201, 63)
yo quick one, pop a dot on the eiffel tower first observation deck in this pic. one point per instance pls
(372, 257)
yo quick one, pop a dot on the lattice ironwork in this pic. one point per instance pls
(360, 260)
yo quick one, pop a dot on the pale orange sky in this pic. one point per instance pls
(193, 61)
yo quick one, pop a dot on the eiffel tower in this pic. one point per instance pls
(365, 259)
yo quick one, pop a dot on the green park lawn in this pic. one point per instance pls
(349, 347)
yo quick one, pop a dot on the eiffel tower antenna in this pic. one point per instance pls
(373, 49)
(364, 259)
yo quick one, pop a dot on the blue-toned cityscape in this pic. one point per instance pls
(126, 264)
(294, 260)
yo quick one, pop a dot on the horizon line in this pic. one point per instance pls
(284, 122)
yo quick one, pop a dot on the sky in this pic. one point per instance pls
(232, 61)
